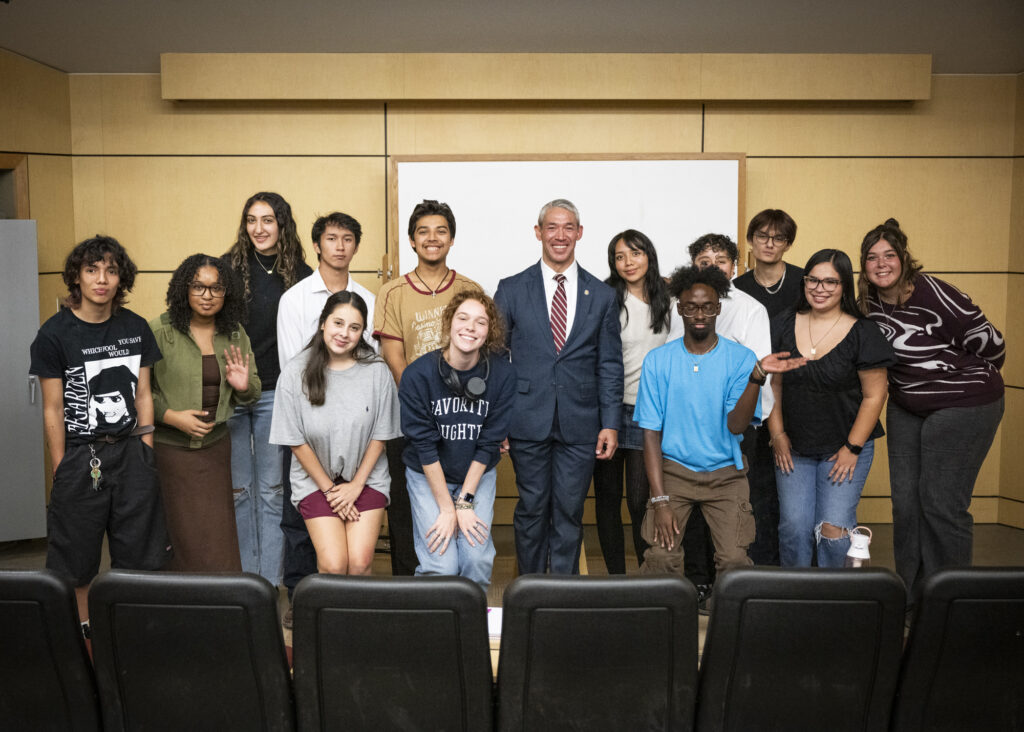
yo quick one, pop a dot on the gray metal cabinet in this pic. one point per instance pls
(22, 486)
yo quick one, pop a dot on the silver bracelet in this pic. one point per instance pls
(660, 499)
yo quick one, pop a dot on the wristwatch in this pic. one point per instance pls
(855, 449)
(466, 498)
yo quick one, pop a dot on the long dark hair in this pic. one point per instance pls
(288, 243)
(654, 286)
(843, 266)
(180, 312)
(909, 267)
(314, 376)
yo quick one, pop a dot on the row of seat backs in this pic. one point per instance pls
(785, 649)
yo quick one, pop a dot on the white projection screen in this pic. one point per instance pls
(672, 199)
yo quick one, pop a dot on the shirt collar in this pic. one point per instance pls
(571, 273)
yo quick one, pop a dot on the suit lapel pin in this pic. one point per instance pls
(586, 292)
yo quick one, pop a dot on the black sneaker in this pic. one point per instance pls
(704, 599)
(286, 621)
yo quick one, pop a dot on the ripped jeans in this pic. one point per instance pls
(808, 498)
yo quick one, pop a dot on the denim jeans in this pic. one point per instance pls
(933, 463)
(472, 562)
(256, 475)
(808, 498)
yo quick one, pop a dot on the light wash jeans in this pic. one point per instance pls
(472, 562)
(808, 498)
(256, 475)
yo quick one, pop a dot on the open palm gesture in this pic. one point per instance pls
(236, 370)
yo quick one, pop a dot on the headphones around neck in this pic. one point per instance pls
(474, 388)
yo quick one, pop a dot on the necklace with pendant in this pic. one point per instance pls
(433, 290)
(264, 267)
(814, 344)
(696, 361)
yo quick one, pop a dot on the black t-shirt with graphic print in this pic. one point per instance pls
(98, 364)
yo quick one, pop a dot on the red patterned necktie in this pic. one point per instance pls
(558, 313)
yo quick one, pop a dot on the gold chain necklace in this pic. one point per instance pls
(814, 345)
(263, 266)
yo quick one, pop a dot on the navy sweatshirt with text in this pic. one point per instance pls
(441, 425)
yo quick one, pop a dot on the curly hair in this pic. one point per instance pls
(314, 375)
(288, 244)
(654, 285)
(685, 278)
(909, 267)
(495, 340)
(716, 243)
(230, 316)
(95, 250)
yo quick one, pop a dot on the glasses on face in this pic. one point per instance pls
(199, 289)
(828, 284)
(690, 310)
(762, 237)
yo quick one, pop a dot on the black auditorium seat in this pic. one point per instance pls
(391, 653)
(189, 652)
(964, 664)
(46, 679)
(598, 653)
(801, 649)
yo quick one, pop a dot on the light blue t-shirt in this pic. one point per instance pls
(691, 408)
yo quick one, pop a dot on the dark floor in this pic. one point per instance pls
(994, 545)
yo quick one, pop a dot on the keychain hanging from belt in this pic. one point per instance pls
(95, 473)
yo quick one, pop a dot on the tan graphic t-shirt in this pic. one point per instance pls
(408, 312)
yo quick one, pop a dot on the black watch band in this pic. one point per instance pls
(466, 498)
(855, 449)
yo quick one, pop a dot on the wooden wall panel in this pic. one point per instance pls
(124, 114)
(1011, 513)
(555, 128)
(34, 115)
(529, 76)
(1012, 328)
(165, 208)
(1019, 132)
(1016, 253)
(966, 115)
(51, 193)
(835, 201)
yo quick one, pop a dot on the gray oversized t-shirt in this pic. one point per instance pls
(361, 404)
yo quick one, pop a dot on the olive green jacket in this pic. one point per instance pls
(178, 381)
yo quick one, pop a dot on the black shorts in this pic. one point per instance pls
(127, 508)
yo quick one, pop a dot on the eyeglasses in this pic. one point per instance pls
(690, 310)
(761, 237)
(829, 284)
(199, 289)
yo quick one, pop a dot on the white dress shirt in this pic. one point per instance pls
(572, 279)
(298, 314)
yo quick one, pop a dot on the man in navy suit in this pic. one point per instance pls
(563, 332)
